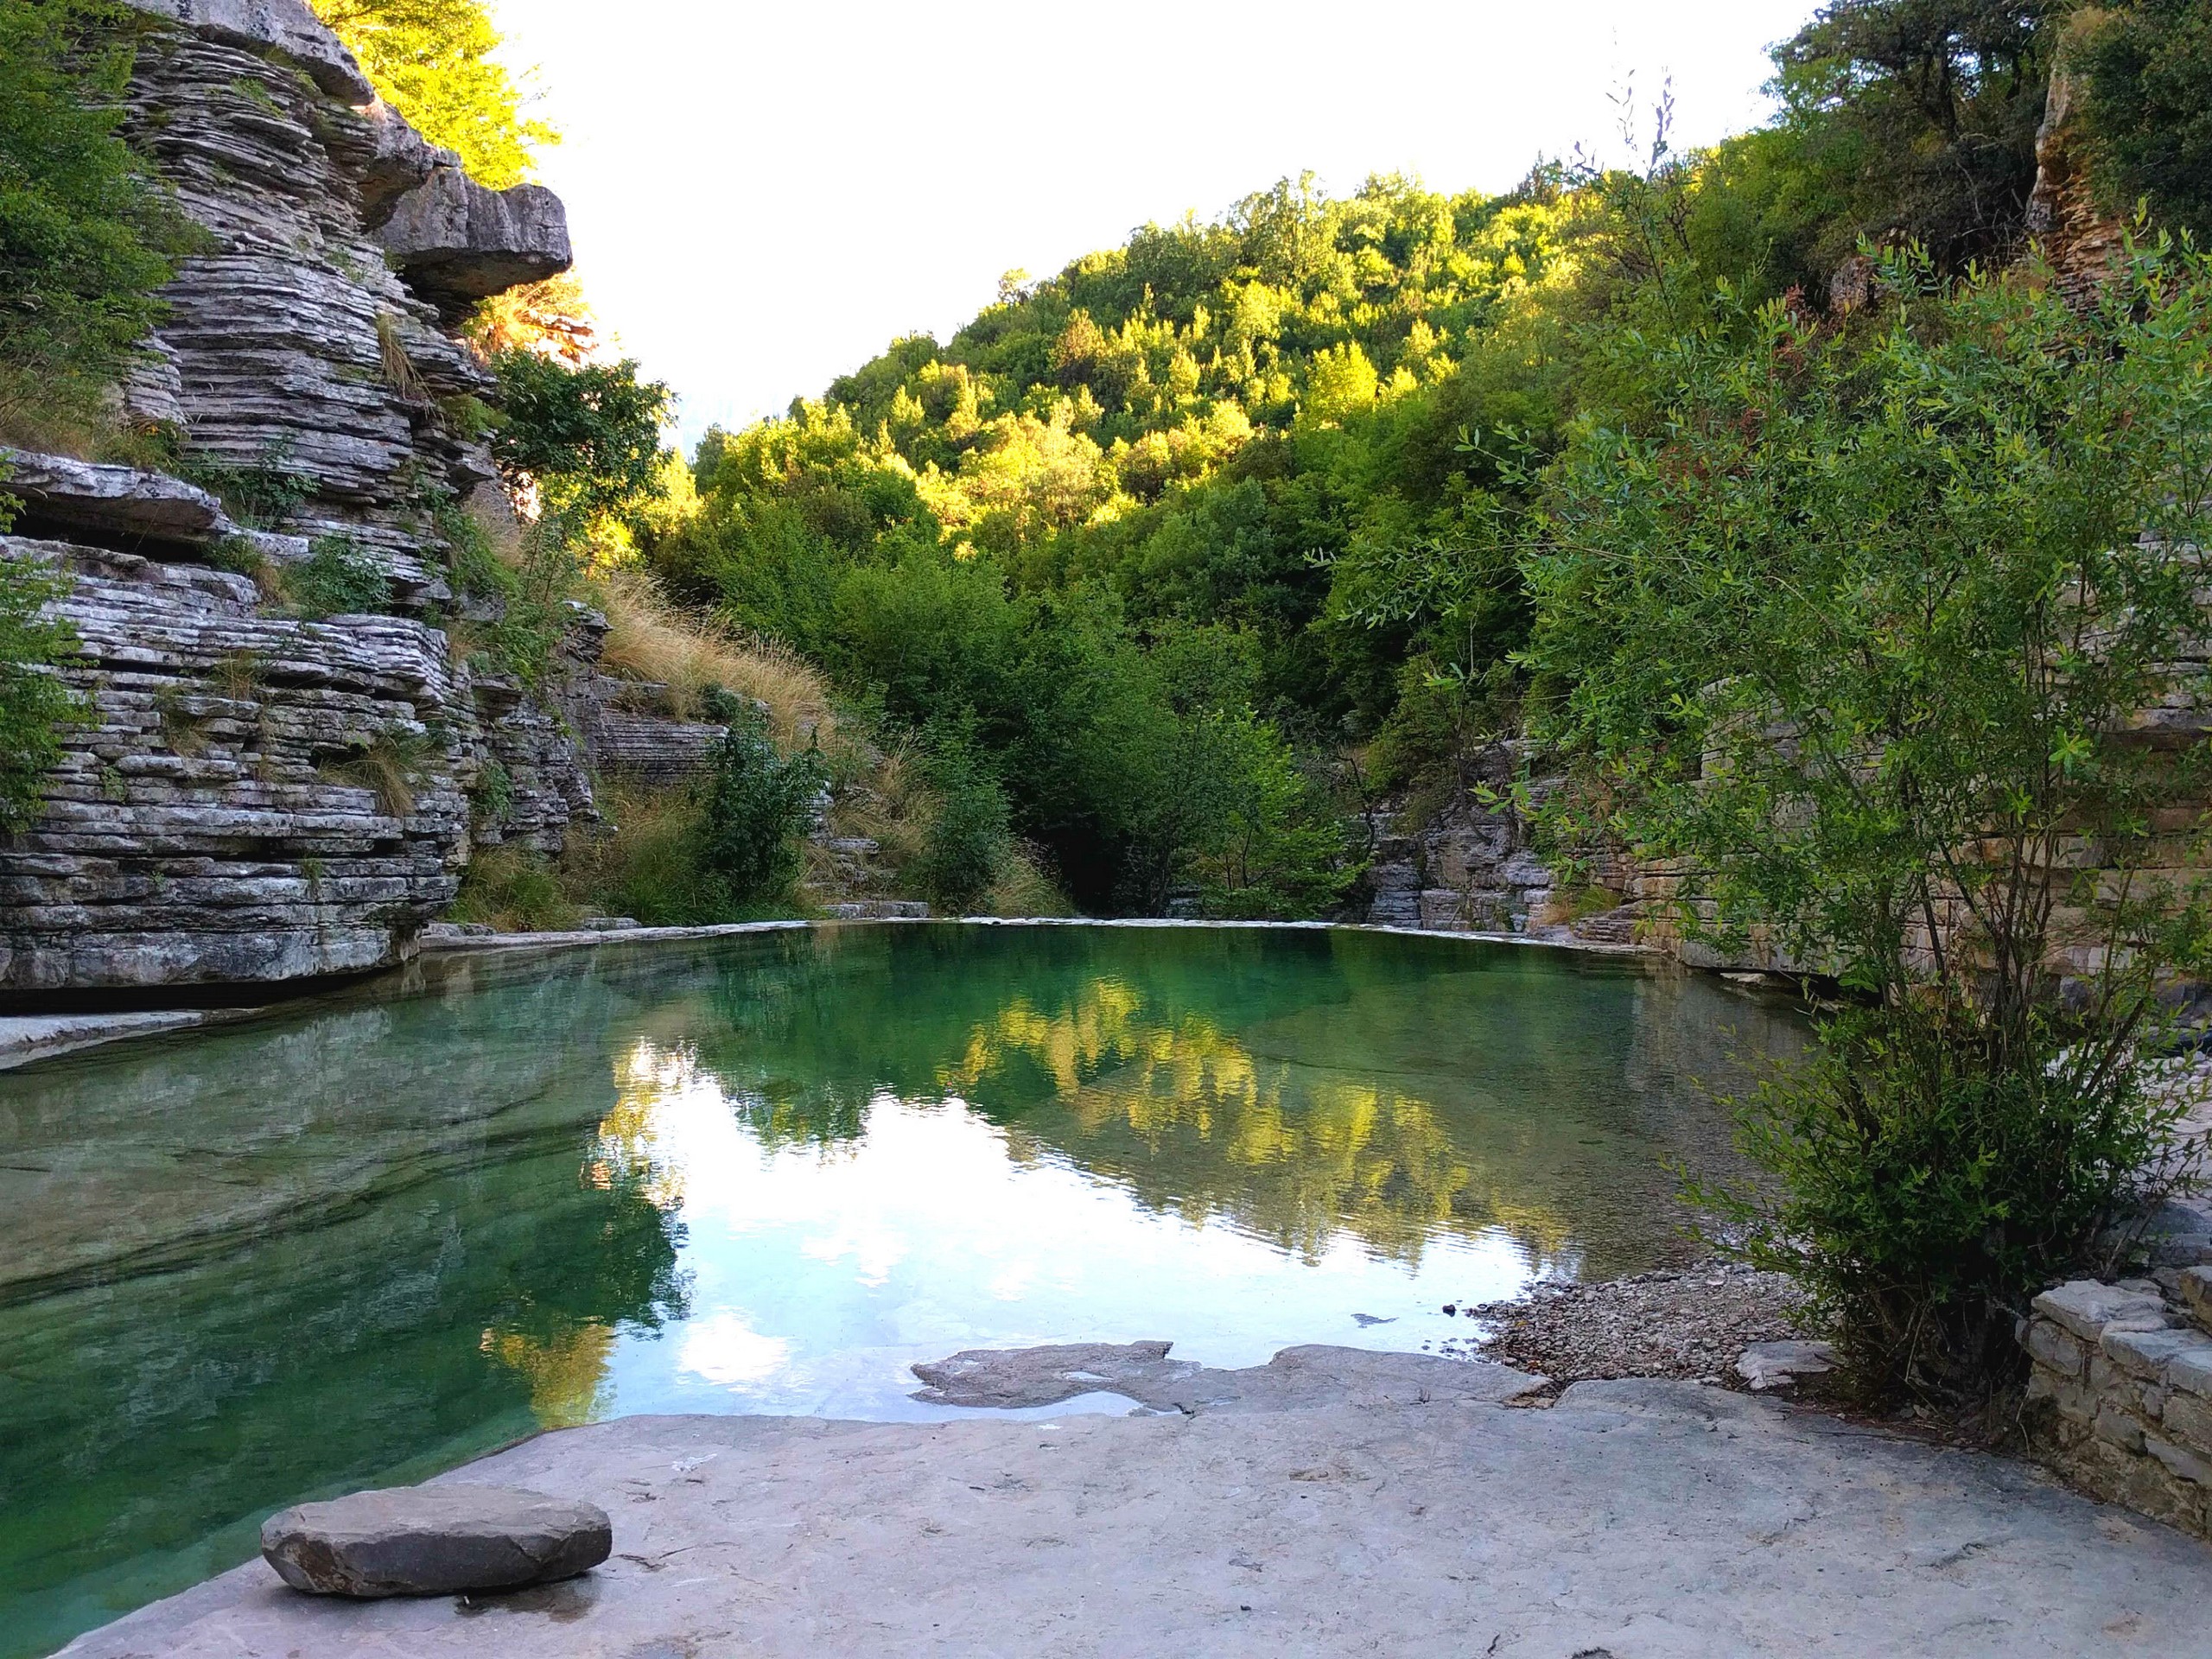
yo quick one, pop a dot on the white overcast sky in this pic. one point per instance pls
(763, 196)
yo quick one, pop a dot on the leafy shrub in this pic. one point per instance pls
(1276, 846)
(1935, 1174)
(530, 597)
(339, 577)
(968, 842)
(477, 570)
(755, 805)
(588, 438)
(239, 555)
(494, 794)
(262, 496)
(1858, 623)
(36, 707)
(467, 417)
(85, 237)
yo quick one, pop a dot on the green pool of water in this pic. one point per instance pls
(368, 1237)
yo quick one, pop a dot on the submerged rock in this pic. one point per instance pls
(1296, 1379)
(435, 1540)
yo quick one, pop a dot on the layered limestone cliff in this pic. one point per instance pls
(256, 796)
(1460, 865)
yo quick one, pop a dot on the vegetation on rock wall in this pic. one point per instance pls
(34, 706)
(85, 236)
(431, 61)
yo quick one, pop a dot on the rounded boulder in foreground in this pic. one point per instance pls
(435, 1540)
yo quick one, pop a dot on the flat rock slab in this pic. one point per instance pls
(1777, 1364)
(435, 1540)
(1651, 1520)
(1296, 1379)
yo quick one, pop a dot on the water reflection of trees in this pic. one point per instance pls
(334, 1248)
(152, 1413)
(1302, 1087)
(351, 1243)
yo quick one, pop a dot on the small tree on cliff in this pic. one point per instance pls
(431, 61)
(1859, 621)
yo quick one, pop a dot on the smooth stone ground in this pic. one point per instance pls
(1651, 1520)
(435, 1540)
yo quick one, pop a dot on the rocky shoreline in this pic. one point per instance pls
(1693, 1324)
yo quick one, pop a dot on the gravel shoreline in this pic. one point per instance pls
(1691, 1322)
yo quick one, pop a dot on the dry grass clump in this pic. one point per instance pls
(645, 869)
(513, 890)
(887, 797)
(1024, 888)
(397, 367)
(649, 639)
(389, 767)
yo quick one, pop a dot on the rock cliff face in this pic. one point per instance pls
(1462, 866)
(259, 798)
(2079, 237)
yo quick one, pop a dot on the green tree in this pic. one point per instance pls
(969, 840)
(431, 61)
(2146, 67)
(1340, 383)
(754, 810)
(1919, 117)
(85, 237)
(1276, 847)
(1862, 623)
(588, 438)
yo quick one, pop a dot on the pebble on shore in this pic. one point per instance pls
(1692, 1323)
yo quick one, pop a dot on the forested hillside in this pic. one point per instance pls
(1183, 548)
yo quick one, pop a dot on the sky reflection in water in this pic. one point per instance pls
(371, 1236)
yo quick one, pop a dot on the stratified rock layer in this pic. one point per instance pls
(256, 799)
(255, 796)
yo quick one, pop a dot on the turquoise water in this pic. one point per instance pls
(370, 1236)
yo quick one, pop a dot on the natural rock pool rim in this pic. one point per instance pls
(350, 1241)
(1373, 1510)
